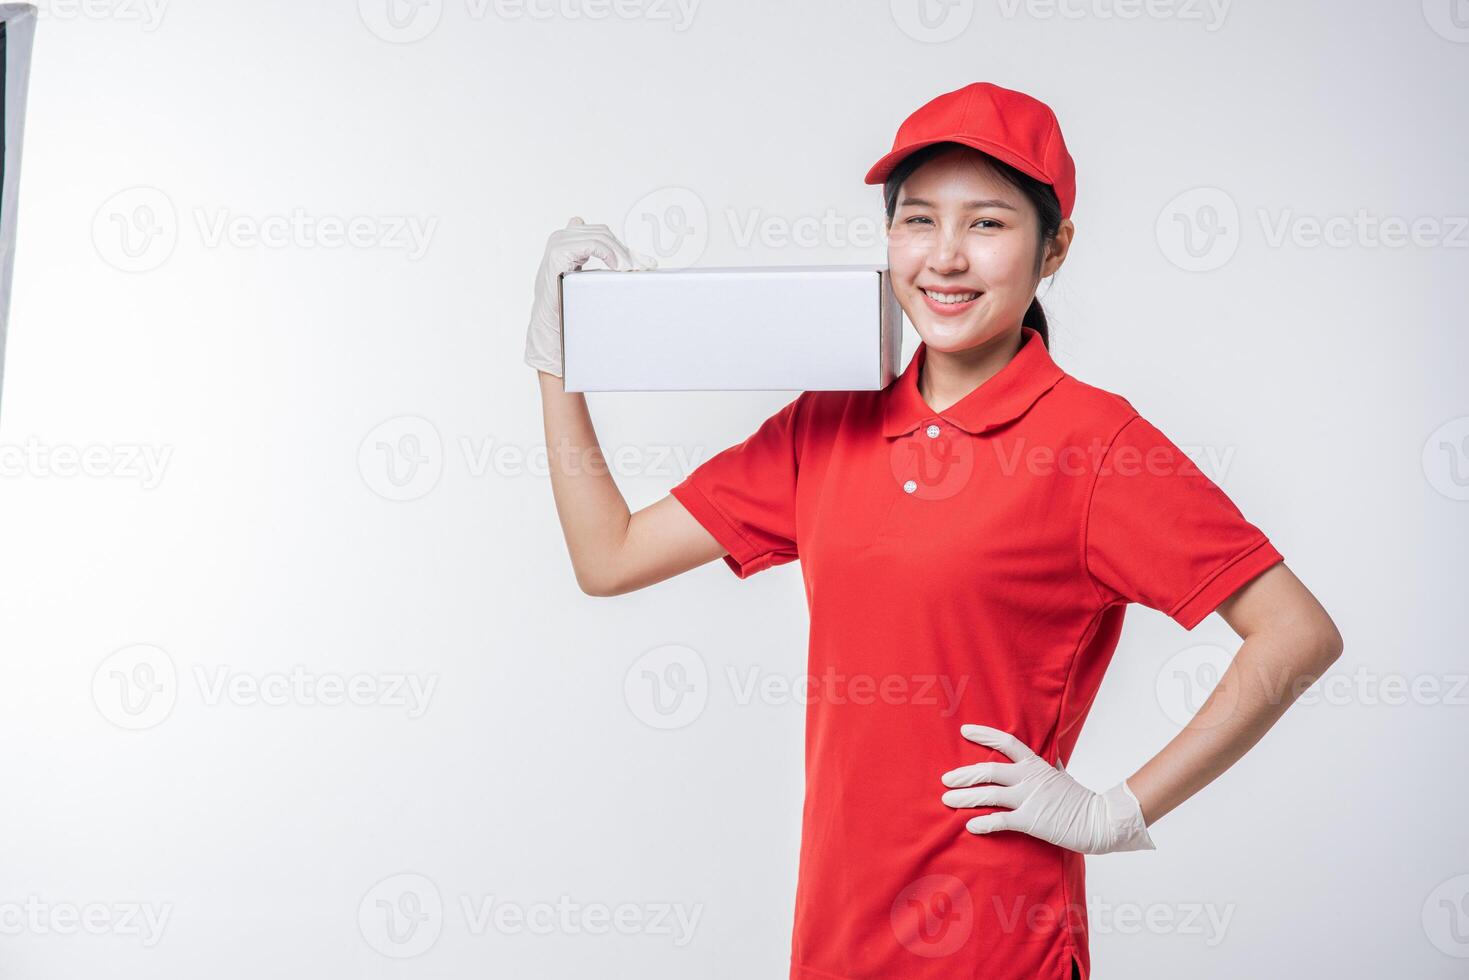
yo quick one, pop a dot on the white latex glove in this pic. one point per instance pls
(1044, 800)
(567, 250)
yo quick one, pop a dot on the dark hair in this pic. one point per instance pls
(1041, 195)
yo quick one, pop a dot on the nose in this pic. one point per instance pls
(946, 256)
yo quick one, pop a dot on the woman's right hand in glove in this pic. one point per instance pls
(567, 250)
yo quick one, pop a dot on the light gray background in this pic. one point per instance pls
(232, 458)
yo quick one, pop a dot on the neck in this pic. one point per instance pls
(947, 376)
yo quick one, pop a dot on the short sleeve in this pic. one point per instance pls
(1161, 533)
(746, 495)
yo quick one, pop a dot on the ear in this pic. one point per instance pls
(1058, 248)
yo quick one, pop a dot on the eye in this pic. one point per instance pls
(916, 217)
(989, 221)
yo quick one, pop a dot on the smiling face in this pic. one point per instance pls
(962, 249)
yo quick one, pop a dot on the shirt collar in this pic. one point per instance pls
(1003, 398)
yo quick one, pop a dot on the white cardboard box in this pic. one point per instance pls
(792, 328)
(17, 33)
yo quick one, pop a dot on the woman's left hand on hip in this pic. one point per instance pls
(1043, 800)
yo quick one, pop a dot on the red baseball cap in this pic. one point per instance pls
(1011, 126)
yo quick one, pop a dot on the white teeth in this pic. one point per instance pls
(945, 298)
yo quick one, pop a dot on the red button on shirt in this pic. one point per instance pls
(969, 565)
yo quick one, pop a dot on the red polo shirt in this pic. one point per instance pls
(969, 565)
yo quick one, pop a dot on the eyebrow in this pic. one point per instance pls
(971, 205)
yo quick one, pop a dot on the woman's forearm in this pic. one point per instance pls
(1272, 668)
(592, 510)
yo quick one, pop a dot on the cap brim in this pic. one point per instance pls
(882, 168)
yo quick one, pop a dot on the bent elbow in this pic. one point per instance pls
(1321, 642)
(598, 586)
(591, 587)
(1332, 644)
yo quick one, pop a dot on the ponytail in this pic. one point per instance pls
(1035, 318)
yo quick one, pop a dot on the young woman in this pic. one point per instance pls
(976, 528)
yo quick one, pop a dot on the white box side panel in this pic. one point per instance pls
(767, 330)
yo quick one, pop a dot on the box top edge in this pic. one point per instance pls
(746, 269)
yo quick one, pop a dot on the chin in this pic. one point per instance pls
(946, 336)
